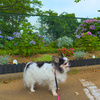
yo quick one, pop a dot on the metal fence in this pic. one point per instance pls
(53, 25)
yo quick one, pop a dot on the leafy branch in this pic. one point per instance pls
(77, 1)
(7, 7)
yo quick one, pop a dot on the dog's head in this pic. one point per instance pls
(61, 63)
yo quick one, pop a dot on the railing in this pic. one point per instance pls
(55, 25)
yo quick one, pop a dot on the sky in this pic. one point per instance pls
(85, 8)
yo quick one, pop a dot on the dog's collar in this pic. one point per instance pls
(54, 66)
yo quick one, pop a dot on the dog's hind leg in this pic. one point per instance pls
(32, 83)
(32, 88)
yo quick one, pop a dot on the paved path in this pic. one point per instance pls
(85, 85)
(91, 90)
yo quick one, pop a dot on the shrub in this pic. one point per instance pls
(47, 50)
(66, 51)
(4, 59)
(1, 46)
(54, 44)
(48, 39)
(88, 41)
(29, 44)
(79, 54)
(65, 42)
(91, 25)
(1, 38)
(10, 43)
(26, 43)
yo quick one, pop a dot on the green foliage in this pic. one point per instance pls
(33, 59)
(4, 59)
(65, 42)
(48, 39)
(43, 50)
(89, 42)
(47, 50)
(1, 46)
(66, 51)
(45, 57)
(77, 1)
(5, 52)
(54, 44)
(98, 48)
(91, 25)
(9, 45)
(9, 22)
(20, 6)
(7, 27)
(58, 26)
(79, 54)
(80, 48)
(73, 71)
(28, 44)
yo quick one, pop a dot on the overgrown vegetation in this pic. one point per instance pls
(57, 34)
(5, 59)
(79, 54)
(65, 42)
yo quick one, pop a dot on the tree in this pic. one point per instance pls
(10, 22)
(7, 7)
(77, 1)
(58, 26)
(20, 6)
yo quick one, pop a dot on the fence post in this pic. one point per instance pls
(1, 69)
(41, 25)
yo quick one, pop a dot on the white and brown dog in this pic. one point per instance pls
(43, 73)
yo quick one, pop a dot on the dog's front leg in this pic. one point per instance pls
(54, 92)
(52, 87)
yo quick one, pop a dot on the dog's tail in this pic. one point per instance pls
(27, 66)
(25, 74)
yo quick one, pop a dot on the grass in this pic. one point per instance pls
(1, 83)
(74, 71)
(45, 57)
(8, 80)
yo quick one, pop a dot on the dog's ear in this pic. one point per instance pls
(56, 64)
(62, 55)
(55, 59)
